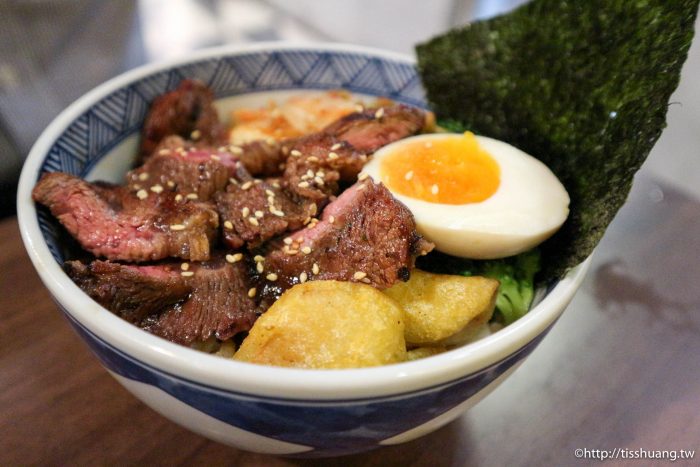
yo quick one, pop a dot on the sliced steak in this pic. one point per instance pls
(352, 138)
(219, 305)
(114, 223)
(341, 149)
(261, 158)
(371, 129)
(132, 292)
(255, 211)
(193, 171)
(188, 111)
(366, 235)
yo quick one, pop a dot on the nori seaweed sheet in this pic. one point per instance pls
(582, 85)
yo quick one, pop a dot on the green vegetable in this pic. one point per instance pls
(582, 85)
(516, 274)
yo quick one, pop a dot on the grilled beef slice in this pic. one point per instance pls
(255, 211)
(218, 306)
(132, 292)
(193, 171)
(342, 149)
(188, 111)
(366, 235)
(353, 138)
(114, 223)
(209, 299)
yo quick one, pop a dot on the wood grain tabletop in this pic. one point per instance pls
(620, 369)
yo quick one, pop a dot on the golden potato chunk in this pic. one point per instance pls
(423, 352)
(439, 306)
(328, 324)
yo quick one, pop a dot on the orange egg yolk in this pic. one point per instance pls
(443, 170)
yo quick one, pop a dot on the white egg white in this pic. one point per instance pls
(529, 205)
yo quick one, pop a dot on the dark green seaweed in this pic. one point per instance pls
(582, 85)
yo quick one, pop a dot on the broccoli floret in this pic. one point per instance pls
(517, 277)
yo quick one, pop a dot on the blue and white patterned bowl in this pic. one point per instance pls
(258, 408)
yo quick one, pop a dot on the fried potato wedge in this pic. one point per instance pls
(328, 324)
(423, 352)
(440, 306)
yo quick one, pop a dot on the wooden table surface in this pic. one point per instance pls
(621, 369)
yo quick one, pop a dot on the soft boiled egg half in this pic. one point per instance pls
(472, 196)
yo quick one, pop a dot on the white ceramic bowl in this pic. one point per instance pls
(259, 408)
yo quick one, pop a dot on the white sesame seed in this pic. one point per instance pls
(379, 113)
(303, 184)
(233, 180)
(295, 153)
(187, 273)
(359, 275)
(192, 196)
(247, 185)
(409, 175)
(221, 148)
(196, 134)
(319, 181)
(259, 214)
(136, 186)
(157, 189)
(170, 184)
(236, 150)
(365, 280)
(185, 266)
(214, 157)
(315, 269)
(306, 250)
(310, 173)
(269, 192)
(260, 267)
(245, 211)
(177, 227)
(362, 176)
(303, 277)
(228, 225)
(253, 221)
(290, 251)
(332, 155)
(331, 219)
(434, 189)
(276, 184)
(252, 291)
(312, 159)
(271, 277)
(258, 258)
(143, 176)
(142, 194)
(287, 241)
(336, 146)
(178, 197)
(164, 152)
(359, 108)
(234, 258)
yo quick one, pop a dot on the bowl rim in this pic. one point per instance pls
(246, 378)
